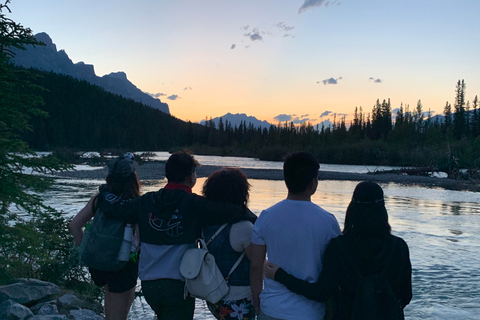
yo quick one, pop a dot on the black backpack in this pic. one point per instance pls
(374, 297)
(101, 243)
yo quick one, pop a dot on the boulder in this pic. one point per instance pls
(39, 305)
(48, 310)
(12, 310)
(70, 301)
(28, 291)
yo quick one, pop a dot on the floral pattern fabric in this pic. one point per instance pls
(233, 309)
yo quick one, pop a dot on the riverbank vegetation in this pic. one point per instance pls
(34, 238)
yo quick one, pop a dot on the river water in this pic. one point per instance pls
(441, 227)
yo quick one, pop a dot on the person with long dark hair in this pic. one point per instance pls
(232, 245)
(119, 285)
(366, 247)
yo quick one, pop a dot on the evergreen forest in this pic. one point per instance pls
(85, 117)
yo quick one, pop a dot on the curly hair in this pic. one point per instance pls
(227, 184)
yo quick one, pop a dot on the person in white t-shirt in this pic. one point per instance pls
(232, 246)
(294, 234)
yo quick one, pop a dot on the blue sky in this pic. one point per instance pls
(272, 59)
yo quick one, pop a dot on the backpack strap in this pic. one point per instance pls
(239, 258)
(235, 265)
(216, 233)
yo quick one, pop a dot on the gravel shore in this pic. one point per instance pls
(156, 170)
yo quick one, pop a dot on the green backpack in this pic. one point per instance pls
(101, 244)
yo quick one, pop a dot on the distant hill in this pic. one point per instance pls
(236, 119)
(47, 58)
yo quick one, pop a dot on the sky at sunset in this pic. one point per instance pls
(277, 60)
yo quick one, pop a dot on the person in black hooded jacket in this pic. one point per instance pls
(368, 244)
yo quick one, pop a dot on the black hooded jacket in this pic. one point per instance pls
(337, 279)
(172, 216)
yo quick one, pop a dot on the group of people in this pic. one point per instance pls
(310, 259)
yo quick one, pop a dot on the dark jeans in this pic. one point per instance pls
(165, 296)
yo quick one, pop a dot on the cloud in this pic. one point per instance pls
(233, 46)
(254, 35)
(284, 27)
(187, 88)
(156, 95)
(300, 120)
(330, 81)
(325, 114)
(312, 3)
(283, 117)
(371, 79)
(257, 34)
(173, 97)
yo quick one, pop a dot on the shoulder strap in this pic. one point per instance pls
(216, 233)
(235, 265)
(239, 258)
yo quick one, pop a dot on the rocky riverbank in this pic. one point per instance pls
(155, 171)
(40, 300)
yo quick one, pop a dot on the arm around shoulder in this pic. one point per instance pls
(256, 254)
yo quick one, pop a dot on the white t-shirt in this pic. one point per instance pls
(295, 234)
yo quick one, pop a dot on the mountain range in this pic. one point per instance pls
(47, 58)
(236, 119)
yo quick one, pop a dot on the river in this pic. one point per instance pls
(441, 227)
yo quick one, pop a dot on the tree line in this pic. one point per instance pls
(411, 137)
(84, 116)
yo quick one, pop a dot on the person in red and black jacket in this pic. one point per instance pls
(170, 220)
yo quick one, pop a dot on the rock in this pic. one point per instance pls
(70, 301)
(27, 292)
(38, 306)
(12, 310)
(83, 314)
(51, 317)
(48, 309)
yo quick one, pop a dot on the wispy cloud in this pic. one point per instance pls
(300, 120)
(371, 79)
(283, 117)
(173, 97)
(325, 114)
(257, 34)
(293, 118)
(330, 81)
(156, 95)
(254, 35)
(285, 28)
(187, 88)
(316, 3)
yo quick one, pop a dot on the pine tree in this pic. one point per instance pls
(459, 117)
(37, 246)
